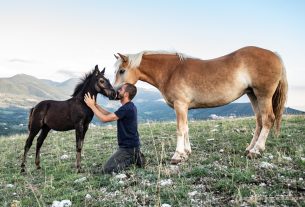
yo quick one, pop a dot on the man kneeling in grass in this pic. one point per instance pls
(128, 152)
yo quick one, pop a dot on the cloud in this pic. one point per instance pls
(19, 60)
(68, 73)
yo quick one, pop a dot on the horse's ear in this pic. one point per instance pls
(96, 70)
(117, 57)
(103, 71)
(124, 58)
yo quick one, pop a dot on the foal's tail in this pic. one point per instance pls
(30, 119)
(279, 99)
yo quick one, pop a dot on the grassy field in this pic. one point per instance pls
(216, 174)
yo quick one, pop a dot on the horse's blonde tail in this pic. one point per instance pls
(279, 99)
(30, 119)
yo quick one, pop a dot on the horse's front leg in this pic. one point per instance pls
(80, 131)
(187, 143)
(182, 133)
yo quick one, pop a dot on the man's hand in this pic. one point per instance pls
(90, 101)
(100, 113)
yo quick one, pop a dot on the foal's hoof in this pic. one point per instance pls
(22, 170)
(80, 170)
(175, 161)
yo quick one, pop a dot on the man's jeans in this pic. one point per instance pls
(123, 158)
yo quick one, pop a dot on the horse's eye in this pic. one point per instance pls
(102, 81)
(122, 71)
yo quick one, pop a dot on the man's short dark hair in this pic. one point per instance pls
(131, 90)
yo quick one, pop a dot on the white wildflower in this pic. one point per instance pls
(193, 193)
(166, 182)
(80, 180)
(64, 157)
(103, 190)
(121, 176)
(63, 203)
(287, 158)
(88, 196)
(266, 165)
(146, 183)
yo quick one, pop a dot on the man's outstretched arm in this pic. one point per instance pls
(99, 112)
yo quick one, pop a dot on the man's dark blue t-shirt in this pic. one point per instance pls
(127, 124)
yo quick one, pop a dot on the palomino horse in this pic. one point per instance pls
(188, 83)
(66, 115)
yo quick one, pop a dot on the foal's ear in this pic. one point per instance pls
(117, 57)
(124, 58)
(96, 70)
(103, 71)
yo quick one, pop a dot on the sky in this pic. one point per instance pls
(59, 40)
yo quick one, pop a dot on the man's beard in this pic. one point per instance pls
(119, 96)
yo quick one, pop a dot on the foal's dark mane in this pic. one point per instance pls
(84, 81)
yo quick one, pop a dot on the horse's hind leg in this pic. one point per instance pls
(42, 136)
(28, 144)
(266, 110)
(258, 117)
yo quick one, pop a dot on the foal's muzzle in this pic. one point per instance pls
(114, 95)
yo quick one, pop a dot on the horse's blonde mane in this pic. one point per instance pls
(134, 60)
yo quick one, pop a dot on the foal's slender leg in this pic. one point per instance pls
(265, 107)
(28, 144)
(80, 131)
(42, 136)
(181, 114)
(258, 116)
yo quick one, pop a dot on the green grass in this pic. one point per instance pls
(217, 169)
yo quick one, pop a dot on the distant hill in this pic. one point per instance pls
(25, 91)
(21, 92)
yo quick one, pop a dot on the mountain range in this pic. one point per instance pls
(21, 92)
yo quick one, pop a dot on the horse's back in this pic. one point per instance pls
(215, 82)
(264, 68)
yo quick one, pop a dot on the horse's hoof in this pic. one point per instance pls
(252, 155)
(22, 170)
(38, 167)
(175, 161)
(80, 170)
(188, 153)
